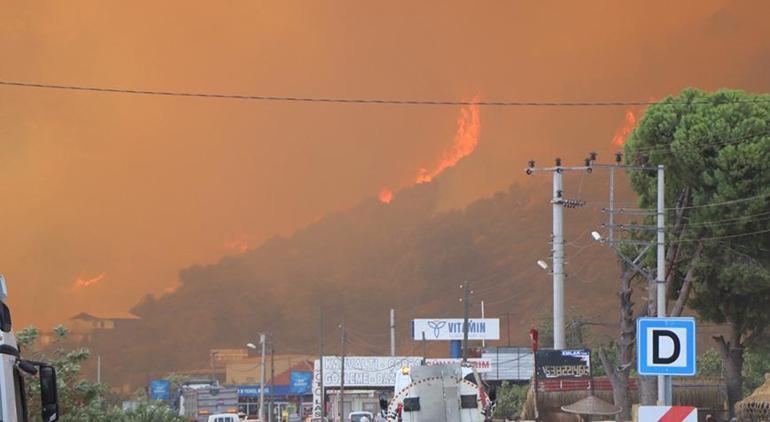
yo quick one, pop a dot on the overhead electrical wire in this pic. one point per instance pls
(341, 100)
(751, 218)
(620, 211)
(662, 149)
(729, 236)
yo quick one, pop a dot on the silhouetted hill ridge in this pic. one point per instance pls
(360, 262)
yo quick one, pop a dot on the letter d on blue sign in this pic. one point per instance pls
(665, 346)
(656, 340)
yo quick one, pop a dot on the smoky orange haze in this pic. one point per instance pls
(130, 189)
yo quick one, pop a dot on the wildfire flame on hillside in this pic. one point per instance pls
(81, 282)
(465, 141)
(386, 195)
(237, 245)
(622, 133)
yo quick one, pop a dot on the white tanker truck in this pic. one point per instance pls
(13, 403)
(451, 393)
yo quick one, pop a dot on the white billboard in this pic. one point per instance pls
(452, 329)
(360, 371)
(481, 365)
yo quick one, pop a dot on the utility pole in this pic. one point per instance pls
(392, 332)
(557, 239)
(321, 360)
(424, 349)
(558, 259)
(262, 380)
(213, 370)
(483, 339)
(466, 309)
(611, 228)
(635, 263)
(272, 381)
(664, 382)
(99, 369)
(508, 325)
(341, 401)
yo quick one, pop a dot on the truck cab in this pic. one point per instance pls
(13, 403)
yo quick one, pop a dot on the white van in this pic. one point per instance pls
(224, 417)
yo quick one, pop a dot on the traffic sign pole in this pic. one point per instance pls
(664, 382)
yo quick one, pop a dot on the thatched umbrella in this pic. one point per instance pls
(590, 406)
(756, 407)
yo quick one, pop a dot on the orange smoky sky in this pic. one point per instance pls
(139, 187)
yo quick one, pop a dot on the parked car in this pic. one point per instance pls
(357, 416)
(224, 417)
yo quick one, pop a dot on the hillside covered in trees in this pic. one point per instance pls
(406, 255)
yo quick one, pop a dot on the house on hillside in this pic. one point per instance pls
(84, 325)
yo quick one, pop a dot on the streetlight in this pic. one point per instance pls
(262, 340)
(253, 347)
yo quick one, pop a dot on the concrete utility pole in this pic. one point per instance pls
(321, 360)
(664, 382)
(466, 310)
(341, 402)
(392, 332)
(658, 279)
(557, 240)
(262, 341)
(272, 381)
(558, 259)
(611, 226)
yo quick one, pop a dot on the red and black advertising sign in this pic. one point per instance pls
(556, 364)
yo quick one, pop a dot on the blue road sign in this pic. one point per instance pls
(160, 389)
(665, 346)
(301, 382)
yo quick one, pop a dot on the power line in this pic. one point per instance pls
(732, 201)
(340, 100)
(729, 236)
(752, 218)
(641, 211)
(662, 149)
(700, 239)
